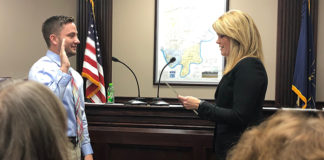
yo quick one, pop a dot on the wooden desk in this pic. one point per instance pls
(120, 132)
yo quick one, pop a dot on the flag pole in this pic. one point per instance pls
(297, 101)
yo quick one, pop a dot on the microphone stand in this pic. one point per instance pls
(138, 100)
(158, 101)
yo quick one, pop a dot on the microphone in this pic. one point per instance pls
(157, 100)
(138, 99)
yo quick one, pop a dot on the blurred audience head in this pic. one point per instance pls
(32, 122)
(287, 135)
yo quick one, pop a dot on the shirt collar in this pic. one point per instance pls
(54, 57)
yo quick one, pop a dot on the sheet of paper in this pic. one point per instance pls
(176, 93)
(173, 90)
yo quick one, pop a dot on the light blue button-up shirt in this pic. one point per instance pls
(47, 71)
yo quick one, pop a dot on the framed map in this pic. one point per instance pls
(183, 29)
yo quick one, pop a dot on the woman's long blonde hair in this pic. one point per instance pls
(245, 40)
(32, 122)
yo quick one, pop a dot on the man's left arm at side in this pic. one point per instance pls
(85, 145)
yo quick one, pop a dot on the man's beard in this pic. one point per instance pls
(70, 53)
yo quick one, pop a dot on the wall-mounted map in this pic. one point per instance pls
(184, 31)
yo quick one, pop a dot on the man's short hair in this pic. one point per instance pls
(53, 25)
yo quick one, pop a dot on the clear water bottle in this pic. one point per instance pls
(110, 93)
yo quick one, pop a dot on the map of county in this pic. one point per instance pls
(185, 32)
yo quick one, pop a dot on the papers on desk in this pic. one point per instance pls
(116, 104)
(176, 105)
(88, 103)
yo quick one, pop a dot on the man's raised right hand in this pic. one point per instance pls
(65, 63)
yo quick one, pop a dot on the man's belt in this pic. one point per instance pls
(74, 141)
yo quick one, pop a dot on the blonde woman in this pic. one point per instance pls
(241, 91)
(32, 122)
(287, 135)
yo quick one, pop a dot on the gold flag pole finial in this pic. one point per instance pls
(93, 13)
(309, 7)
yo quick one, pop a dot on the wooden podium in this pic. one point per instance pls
(144, 132)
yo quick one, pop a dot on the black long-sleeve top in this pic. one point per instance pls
(238, 102)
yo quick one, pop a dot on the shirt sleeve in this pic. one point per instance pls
(247, 90)
(85, 145)
(50, 76)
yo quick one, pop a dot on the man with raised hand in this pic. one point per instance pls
(54, 71)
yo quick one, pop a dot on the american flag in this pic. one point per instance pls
(92, 64)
